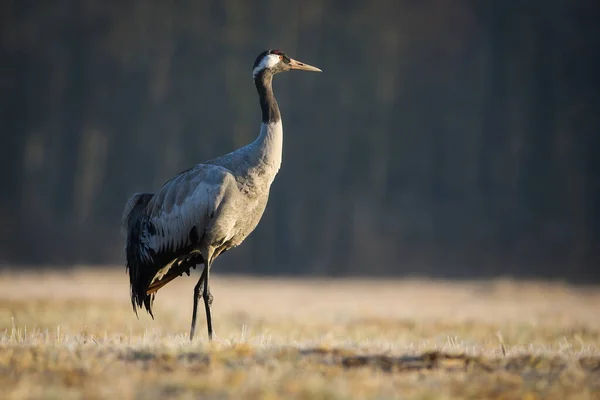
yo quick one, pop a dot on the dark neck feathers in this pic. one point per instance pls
(270, 110)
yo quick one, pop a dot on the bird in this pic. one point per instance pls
(207, 209)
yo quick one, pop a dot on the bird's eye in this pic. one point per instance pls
(281, 57)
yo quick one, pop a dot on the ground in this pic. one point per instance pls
(75, 336)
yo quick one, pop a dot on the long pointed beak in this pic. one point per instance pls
(301, 66)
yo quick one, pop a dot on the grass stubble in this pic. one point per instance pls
(74, 336)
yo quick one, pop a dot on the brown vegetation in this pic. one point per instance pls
(75, 336)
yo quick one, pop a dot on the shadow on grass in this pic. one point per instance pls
(548, 365)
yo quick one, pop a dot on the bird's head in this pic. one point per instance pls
(276, 61)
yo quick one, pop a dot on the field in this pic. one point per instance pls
(75, 336)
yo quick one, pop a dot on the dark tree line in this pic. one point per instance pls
(452, 138)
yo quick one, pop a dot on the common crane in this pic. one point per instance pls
(207, 209)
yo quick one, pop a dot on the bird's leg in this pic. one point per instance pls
(208, 299)
(199, 286)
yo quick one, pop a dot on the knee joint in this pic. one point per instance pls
(208, 297)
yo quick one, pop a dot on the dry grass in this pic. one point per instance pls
(75, 336)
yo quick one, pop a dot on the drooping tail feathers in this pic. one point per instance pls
(148, 269)
(138, 254)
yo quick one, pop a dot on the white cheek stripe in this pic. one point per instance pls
(268, 61)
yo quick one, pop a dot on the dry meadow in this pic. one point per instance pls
(74, 336)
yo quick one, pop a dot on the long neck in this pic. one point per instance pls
(268, 104)
(270, 140)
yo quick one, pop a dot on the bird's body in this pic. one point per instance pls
(207, 209)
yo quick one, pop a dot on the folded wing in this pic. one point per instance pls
(164, 230)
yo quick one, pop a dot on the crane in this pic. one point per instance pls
(208, 209)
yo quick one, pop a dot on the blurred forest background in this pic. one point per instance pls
(444, 138)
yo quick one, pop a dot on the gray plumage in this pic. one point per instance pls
(208, 209)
